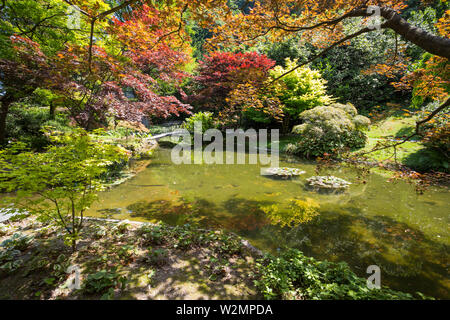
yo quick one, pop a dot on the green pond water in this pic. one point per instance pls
(376, 223)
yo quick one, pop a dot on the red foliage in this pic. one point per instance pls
(26, 71)
(91, 93)
(222, 72)
(152, 47)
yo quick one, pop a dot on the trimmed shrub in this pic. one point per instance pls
(329, 129)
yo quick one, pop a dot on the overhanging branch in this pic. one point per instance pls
(416, 131)
(347, 38)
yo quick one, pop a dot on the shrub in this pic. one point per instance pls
(330, 129)
(9, 260)
(25, 123)
(152, 234)
(18, 241)
(343, 68)
(299, 90)
(206, 119)
(295, 276)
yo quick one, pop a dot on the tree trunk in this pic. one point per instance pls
(52, 110)
(6, 102)
(285, 125)
(436, 45)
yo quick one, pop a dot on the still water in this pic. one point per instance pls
(379, 222)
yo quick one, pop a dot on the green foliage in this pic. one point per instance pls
(157, 257)
(9, 260)
(435, 138)
(342, 69)
(329, 129)
(103, 282)
(187, 236)
(425, 19)
(206, 119)
(437, 131)
(287, 50)
(120, 228)
(10, 250)
(152, 235)
(126, 253)
(295, 276)
(300, 90)
(61, 183)
(45, 20)
(17, 242)
(426, 160)
(26, 122)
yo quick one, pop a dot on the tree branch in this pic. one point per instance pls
(417, 129)
(349, 37)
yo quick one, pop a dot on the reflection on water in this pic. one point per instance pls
(380, 223)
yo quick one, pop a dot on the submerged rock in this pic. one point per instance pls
(327, 184)
(283, 173)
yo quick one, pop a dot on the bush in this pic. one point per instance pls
(206, 119)
(330, 129)
(25, 123)
(426, 160)
(295, 276)
(299, 90)
(17, 242)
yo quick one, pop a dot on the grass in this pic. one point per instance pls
(393, 127)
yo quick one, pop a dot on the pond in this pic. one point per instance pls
(376, 223)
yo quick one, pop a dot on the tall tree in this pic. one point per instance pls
(321, 22)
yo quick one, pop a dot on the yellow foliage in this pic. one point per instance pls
(299, 211)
